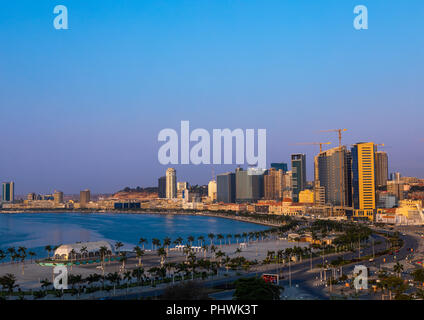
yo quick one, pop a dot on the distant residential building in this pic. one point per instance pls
(381, 169)
(279, 166)
(386, 200)
(8, 192)
(212, 190)
(162, 187)
(171, 183)
(31, 196)
(287, 189)
(226, 187)
(396, 188)
(306, 196)
(182, 190)
(395, 176)
(58, 197)
(85, 198)
(298, 162)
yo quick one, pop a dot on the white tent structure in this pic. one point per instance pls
(92, 249)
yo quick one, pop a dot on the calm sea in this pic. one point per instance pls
(36, 230)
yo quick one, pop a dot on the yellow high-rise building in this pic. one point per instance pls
(363, 179)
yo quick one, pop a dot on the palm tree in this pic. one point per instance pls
(142, 241)
(220, 237)
(123, 259)
(45, 284)
(22, 255)
(48, 248)
(162, 255)
(83, 251)
(166, 243)
(2, 255)
(8, 282)
(398, 268)
(12, 252)
(138, 273)
(211, 236)
(201, 239)
(237, 237)
(155, 243)
(238, 251)
(118, 246)
(190, 239)
(229, 236)
(103, 250)
(31, 254)
(127, 277)
(139, 253)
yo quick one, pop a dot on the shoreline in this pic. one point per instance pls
(186, 213)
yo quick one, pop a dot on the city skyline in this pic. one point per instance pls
(273, 165)
(82, 108)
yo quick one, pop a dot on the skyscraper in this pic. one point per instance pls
(8, 192)
(280, 166)
(298, 162)
(274, 184)
(212, 188)
(226, 187)
(58, 197)
(249, 187)
(162, 187)
(171, 183)
(381, 169)
(363, 179)
(84, 197)
(333, 183)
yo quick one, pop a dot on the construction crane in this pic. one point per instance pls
(339, 131)
(336, 130)
(313, 144)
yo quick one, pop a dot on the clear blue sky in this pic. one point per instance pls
(82, 108)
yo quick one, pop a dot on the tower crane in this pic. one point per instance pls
(313, 144)
(339, 131)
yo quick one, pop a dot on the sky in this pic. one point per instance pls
(82, 108)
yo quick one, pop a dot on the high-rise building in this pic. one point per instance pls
(226, 187)
(274, 184)
(298, 162)
(332, 181)
(395, 176)
(8, 192)
(58, 197)
(212, 189)
(162, 187)
(396, 188)
(31, 196)
(280, 166)
(249, 187)
(85, 197)
(363, 179)
(171, 183)
(381, 169)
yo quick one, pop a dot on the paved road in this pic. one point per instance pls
(301, 274)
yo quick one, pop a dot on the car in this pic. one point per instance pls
(371, 260)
